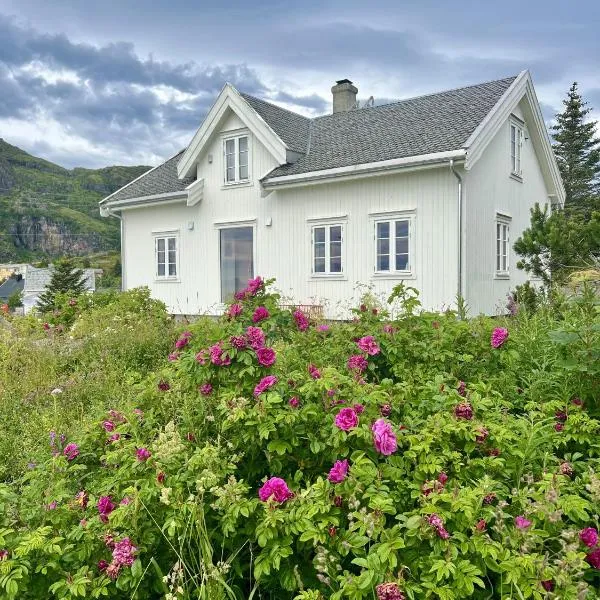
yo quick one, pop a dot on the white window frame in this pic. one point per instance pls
(516, 136)
(328, 224)
(166, 236)
(502, 225)
(236, 142)
(391, 218)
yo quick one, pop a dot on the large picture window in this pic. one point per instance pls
(237, 159)
(236, 249)
(327, 249)
(166, 257)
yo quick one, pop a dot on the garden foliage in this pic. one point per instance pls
(273, 457)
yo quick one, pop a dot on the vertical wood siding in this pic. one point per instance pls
(489, 189)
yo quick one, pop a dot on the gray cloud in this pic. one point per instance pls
(314, 102)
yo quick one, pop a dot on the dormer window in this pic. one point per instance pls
(237, 159)
(516, 145)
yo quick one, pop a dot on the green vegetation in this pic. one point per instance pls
(401, 455)
(48, 211)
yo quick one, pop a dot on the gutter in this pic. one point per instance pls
(364, 169)
(142, 200)
(106, 211)
(459, 286)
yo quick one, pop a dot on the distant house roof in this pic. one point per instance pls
(10, 286)
(160, 180)
(417, 126)
(36, 280)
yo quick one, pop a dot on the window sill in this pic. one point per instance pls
(502, 276)
(328, 276)
(167, 280)
(516, 177)
(237, 184)
(394, 275)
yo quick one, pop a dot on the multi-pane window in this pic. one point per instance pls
(516, 144)
(502, 246)
(166, 256)
(237, 153)
(392, 239)
(327, 249)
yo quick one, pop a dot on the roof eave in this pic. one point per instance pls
(365, 169)
(141, 201)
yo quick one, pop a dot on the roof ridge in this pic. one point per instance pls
(296, 114)
(396, 102)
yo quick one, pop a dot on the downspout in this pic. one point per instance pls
(110, 213)
(459, 287)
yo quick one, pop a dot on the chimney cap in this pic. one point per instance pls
(340, 81)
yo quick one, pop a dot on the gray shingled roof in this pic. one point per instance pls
(291, 127)
(10, 286)
(423, 125)
(161, 180)
(433, 123)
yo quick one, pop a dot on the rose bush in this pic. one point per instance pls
(274, 457)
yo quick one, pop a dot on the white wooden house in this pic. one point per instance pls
(430, 190)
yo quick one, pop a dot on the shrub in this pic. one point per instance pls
(424, 457)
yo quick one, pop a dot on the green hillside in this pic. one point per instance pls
(48, 211)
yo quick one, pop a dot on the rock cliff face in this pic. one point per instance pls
(47, 211)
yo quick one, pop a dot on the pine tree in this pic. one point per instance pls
(65, 279)
(577, 151)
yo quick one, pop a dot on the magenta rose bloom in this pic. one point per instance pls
(301, 319)
(256, 337)
(275, 488)
(389, 591)
(142, 454)
(314, 372)
(264, 384)
(102, 565)
(338, 472)
(123, 552)
(346, 419)
(266, 356)
(499, 336)
(357, 362)
(108, 425)
(384, 438)
(593, 558)
(105, 507)
(238, 341)
(255, 285)
(589, 536)
(463, 411)
(163, 386)
(369, 345)
(323, 328)
(521, 522)
(71, 451)
(294, 402)
(234, 311)
(548, 585)
(173, 357)
(462, 389)
(260, 314)
(206, 389)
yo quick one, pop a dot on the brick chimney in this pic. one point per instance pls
(344, 96)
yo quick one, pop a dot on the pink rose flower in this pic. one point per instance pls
(264, 384)
(593, 558)
(323, 328)
(275, 488)
(201, 357)
(521, 522)
(589, 536)
(260, 314)
(389, 591)
(234, 311)
(266, 356)
(108, 425)
(301, 320)
(369, 345)
(238, 341)
(463, 411)
(346, 419)
(163, 386)
(105, 507)
(294, 402)
(142, 454)
(123, 552)
(462, 389)
(256, 337)
(71, 451)
(499, 336)
(548, 585)
(338, 472)
(206, 389)
(314, 372)
(255, 285)
(357, 363)
(384, 438)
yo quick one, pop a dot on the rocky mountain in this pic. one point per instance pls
(47, 211)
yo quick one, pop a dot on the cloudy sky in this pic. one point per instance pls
(91, 83)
